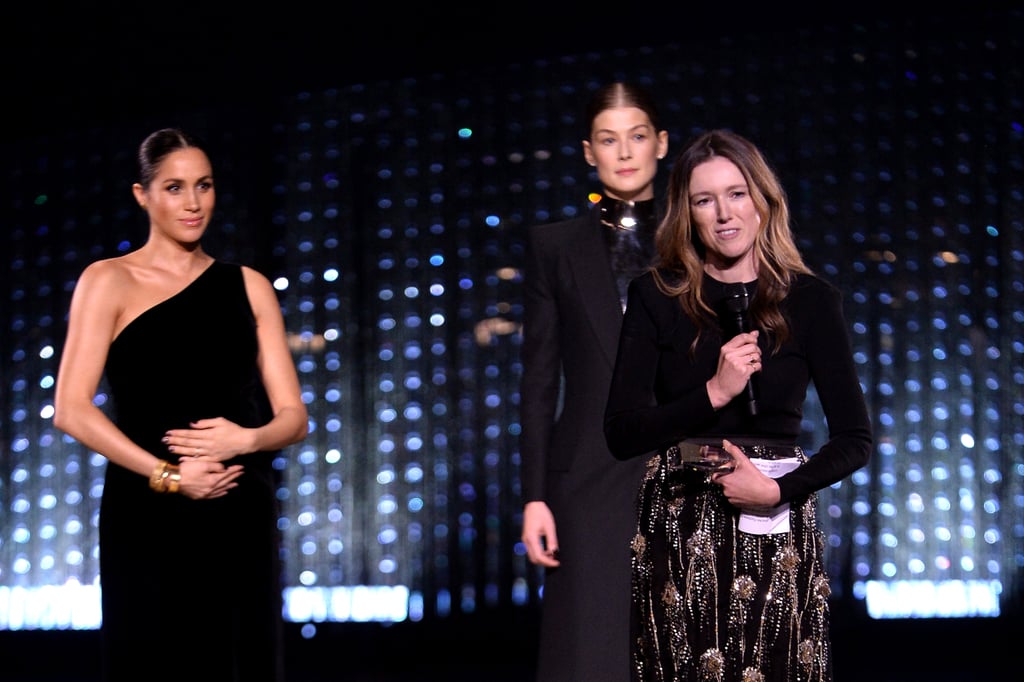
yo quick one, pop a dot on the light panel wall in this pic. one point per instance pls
(391, 217)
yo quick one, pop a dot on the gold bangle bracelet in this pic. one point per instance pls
(173, 480)
(166, 478)
(156, 479)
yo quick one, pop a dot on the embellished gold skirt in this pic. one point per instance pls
(714, 604)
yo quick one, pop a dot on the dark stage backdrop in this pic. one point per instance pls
(391, 217)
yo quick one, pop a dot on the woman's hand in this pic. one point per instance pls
(215, 439)
(746, 485)
(204, 479)
(738, 359)
(539, 534)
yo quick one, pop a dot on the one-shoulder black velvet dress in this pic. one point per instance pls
(191, 589)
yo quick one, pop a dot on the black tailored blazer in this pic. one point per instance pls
(572, 318)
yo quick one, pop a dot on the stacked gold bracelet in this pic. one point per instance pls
(166, 478)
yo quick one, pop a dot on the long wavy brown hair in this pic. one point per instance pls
(679, 267)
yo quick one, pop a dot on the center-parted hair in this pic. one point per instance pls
(155, 148)
(621, 94)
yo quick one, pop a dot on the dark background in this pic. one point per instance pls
(69, 67)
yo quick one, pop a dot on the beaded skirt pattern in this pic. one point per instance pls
(715, 604)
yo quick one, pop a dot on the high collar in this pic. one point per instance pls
(631, 216)
(716, 290)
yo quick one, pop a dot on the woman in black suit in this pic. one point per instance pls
(579, 513)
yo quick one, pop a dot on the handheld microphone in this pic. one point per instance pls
(737, 321)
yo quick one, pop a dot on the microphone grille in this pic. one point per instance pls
(736, 298)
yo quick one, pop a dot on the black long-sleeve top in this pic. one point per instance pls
(658, 393)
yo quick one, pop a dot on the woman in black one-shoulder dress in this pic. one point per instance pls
(204, 397)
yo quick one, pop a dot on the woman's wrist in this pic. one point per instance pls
(166, 478)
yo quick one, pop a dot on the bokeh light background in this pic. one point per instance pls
(391, 217)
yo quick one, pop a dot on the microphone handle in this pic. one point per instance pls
(751, 390)
(751, 398)
(741, 323)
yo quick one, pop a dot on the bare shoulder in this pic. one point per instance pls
(101, 297)
(109, 274)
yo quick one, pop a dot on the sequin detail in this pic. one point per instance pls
(714, 604)
(752, 675)
(744, 587)
(712, 665)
